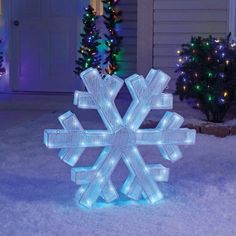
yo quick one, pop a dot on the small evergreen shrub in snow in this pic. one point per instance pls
(207, 70)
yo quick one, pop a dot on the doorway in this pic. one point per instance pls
(44, 43)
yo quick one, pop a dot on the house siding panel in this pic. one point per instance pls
(175, 21)
(128, 60)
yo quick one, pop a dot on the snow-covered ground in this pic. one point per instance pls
(37, 196)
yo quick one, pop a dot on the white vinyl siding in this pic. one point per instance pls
(175, 21)
(129, 32)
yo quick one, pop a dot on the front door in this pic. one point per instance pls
(44, 41)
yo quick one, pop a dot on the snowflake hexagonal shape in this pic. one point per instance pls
(121, 137)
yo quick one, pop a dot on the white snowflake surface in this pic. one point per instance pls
(121, 137)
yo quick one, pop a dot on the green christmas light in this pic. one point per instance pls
(210, 74)
(198, 87)
(210, 98)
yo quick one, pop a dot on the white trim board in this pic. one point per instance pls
(232, 18)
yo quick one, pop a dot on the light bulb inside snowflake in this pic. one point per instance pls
(122, 137)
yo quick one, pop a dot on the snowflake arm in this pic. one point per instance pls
(69, 122)
(132, 188)
(97, 182)
(171, 121)
(147, 94)
(84, 176)
(101, 94)
(167, 131)
(73, 139)
(144, 180)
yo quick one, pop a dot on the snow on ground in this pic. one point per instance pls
(36, 194)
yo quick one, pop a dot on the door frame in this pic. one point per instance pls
(11, 45)
(6, 12)
(232, 18)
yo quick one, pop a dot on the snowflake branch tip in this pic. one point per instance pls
(83, 100)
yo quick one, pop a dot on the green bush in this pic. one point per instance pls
(206, 74)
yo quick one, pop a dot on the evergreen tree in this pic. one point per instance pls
(89, 46)
(112, 18)
(207, 71)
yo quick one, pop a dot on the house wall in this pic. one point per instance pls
(128, 29)
(144, 36)
(128, 58)
(175, 21)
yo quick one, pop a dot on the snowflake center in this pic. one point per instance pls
(124, 137)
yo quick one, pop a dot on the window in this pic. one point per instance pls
(232, 18)
(98, 6)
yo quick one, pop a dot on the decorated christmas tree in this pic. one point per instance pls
(88, 51)
(112, 19)
(207, 70)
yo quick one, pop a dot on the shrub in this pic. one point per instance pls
(206, 74)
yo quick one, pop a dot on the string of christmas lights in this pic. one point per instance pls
(88, 51)
(112, 19)
(207, 73)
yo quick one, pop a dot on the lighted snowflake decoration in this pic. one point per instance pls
(121, 138)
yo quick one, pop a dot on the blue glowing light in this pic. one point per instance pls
(222, 75)
(122, 137)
